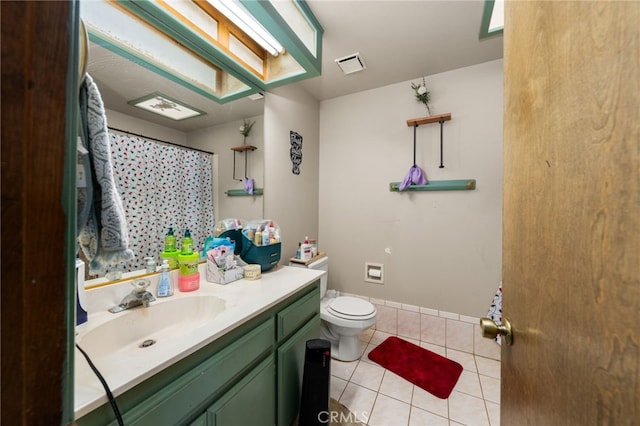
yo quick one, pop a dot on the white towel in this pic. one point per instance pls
(102, 226)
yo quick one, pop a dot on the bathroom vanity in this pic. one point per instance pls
(237, 361)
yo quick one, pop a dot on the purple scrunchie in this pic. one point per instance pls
(415, 176)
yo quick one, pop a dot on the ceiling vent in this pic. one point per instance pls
(351, 63)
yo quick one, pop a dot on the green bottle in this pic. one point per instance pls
(187, 243)
(170, 241)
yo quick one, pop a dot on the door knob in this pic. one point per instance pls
(490, 329)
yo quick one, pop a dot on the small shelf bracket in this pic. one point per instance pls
(244, 149)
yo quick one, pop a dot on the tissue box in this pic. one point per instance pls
(217, 275)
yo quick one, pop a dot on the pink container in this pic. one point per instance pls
(189, 282)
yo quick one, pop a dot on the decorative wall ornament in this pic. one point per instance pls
(295, 151)
(245, 129)
(422, 94)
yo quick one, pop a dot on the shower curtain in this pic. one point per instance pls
(162, 186)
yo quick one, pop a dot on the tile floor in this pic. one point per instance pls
(379, 397)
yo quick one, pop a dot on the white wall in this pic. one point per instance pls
(440, 250)
(142, 127)
(291, 200)
(220, 139)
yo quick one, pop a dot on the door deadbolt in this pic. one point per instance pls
(490, 329)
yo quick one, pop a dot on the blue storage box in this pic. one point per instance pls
(266, 256)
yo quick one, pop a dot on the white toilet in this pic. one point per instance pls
(343, 317)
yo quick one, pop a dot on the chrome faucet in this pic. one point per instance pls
(139, 296)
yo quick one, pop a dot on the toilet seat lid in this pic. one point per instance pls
(348, 307)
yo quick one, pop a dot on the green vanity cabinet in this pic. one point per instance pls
(251, 402)
(295, 325)
(250, 375)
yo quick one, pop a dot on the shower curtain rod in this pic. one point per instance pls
(160, 140)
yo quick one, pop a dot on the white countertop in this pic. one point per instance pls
(243, 300)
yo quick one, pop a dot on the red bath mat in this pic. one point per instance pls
(432, 372)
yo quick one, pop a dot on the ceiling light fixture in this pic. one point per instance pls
(163, 105)
(248, 24)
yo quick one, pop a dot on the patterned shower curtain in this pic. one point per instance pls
(162, 186)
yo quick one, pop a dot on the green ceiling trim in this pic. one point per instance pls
(163, 21)
(133, 56)
(269, 17)
(486, 19)
(155, 15)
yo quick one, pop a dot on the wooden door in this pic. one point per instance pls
(571, 248)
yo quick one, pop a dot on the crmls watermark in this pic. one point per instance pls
(327, 417)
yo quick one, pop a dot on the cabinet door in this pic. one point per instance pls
(200, 421)
(251, 402)
(290, 370)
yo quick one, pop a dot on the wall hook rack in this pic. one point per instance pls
(440, 118)
(441, 185)
(244, 149)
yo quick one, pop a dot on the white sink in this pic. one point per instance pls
(160, 324)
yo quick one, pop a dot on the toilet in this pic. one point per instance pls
(344, 318)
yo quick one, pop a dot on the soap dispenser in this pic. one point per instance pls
(170, 253)
(165, 286)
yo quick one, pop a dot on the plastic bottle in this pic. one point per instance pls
(265, 237)
(170, 253)
(165, 286)
(170, 241)
(188, 275)
(257, 239)
(306, 249)
(187, 243)
(299, 251)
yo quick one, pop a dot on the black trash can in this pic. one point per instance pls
(314, 401)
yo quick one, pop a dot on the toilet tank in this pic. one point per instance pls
(321, 264)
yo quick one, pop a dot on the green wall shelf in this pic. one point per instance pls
(438, 185)
(242, 192)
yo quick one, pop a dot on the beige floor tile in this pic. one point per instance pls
(365, 336)
(488, 367)
(388, 411)
(465, 359)
(460, 335)
(365, 355)
(387, 319)
(433, 329)
(342, 369)
(426, 401)
(490, 388)
(494, 413)
(469, 383)
(359, 401)
(368, 375)
(379, 337)
(419, 417)
(467, 409)
(336, 387)
(440, 350)
(396, 387)
(409, 324)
